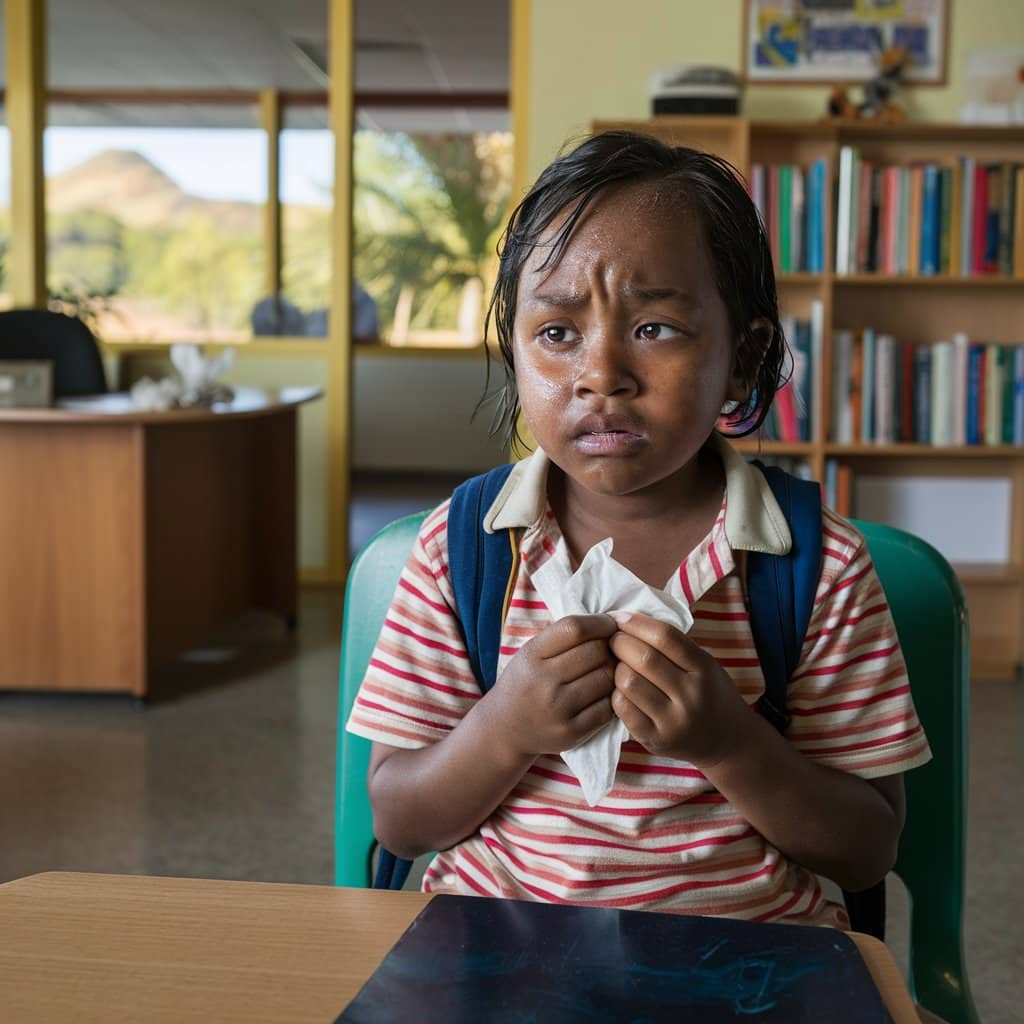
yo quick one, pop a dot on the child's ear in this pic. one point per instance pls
(750, 352)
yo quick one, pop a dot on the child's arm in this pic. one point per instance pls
(677, 701)
(553, 693)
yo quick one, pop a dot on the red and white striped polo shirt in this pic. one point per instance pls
(663, 838)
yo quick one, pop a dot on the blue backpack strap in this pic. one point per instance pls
(479, 565)
(781, 589)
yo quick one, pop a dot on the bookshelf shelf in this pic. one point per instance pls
(932, 281)
(914, 308)
(926, 451)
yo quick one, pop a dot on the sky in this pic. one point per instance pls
(207, 162)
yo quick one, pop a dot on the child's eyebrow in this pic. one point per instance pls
(574, 300)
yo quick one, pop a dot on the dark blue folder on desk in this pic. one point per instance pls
(489, 961)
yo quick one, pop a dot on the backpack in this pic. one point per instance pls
(780, 594)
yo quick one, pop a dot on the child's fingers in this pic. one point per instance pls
(589, 689)
(647, 662)
(638, 723)
(573, 631)
(642, 692)
(675, 645)
(578, 661)
(592, 718)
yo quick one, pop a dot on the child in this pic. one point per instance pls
(636, 299)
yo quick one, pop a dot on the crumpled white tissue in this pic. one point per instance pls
(598, 586)
(196, 383)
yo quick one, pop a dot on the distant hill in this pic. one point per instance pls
(125, 183)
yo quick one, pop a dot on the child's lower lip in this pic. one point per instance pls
(610, 443)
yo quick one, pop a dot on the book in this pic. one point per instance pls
(867, 419)
(844, 491)
(1018, 225)
(903, 222)
(956, 204)
(816, 192)
(994, 368)
(961, 348)
(914, 212)
(945, 219)
(979, 219)
(844, 209)
(874, 258)
(931, 214)
(857, 389)
(994, 187)
(1018, 394)
(941, 433)
(817, 362)
(975, 393)
(803, 368)
(1008, 188)
(922, 394)
(842, 386)
(468, 959)
(967, 215)
(785, 217)
(797, 260)
(885, 385)
(859, 258)
(890, 203)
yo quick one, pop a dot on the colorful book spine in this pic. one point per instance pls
(816, 217)
(961, 351)
(914, 220)
(907, 380)
(842, 386)
(773, 213)
(797, 260)
(844, 209)
(975, 393)
(1008, 198)
(994, 369)
(867, 419)
(863, 221)
(979, 220)
(955, 217)
(817, 357)
(967, 178)
(922, 394)
(1018, 225)
(945, 220)
(885, 389)
(931, 213)
(1018, 394)
(785, 221)
(903, 223)
(940, 432)
(990, 260)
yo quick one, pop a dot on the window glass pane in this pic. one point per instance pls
(5, 177)
(155, 226)
(427, 212)
(307, 182)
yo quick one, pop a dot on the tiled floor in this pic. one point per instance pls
(234, 778)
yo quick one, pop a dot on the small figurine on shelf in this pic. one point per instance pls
(879, 92)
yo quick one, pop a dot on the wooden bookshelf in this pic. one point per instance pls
(923, 308)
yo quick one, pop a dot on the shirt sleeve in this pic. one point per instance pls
(850, 698)
(419, 683)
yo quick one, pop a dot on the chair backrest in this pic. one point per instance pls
(930, 613)
(371, 585)
(928, 607)
(63, 340)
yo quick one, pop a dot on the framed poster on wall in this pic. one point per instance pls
(826, 41)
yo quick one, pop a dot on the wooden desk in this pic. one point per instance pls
(117, 947)
(126, 536)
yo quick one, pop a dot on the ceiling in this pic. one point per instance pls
(403, 46)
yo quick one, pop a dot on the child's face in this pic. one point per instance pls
(623, 351)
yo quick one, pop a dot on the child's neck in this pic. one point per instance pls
(653, 530)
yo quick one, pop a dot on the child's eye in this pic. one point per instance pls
(558, 335)
(658, 332)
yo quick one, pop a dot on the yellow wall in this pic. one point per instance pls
(593, 58)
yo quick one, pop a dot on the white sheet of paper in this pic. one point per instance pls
(602, 585)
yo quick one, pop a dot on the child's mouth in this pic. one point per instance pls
(608, 442)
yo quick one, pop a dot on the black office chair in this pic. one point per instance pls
(38, 334)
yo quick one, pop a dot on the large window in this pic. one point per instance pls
(306, 189)
(155, 232)
(427, 212)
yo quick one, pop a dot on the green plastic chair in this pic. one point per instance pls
(931, 618)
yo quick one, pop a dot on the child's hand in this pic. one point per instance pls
(674, 697)
(557, 689)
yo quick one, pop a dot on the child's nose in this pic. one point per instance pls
(606, 368)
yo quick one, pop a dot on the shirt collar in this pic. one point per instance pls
(753, 519)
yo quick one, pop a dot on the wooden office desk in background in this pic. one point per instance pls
(118, 947)
(126, 536)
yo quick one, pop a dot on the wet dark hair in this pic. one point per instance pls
(709, 186)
